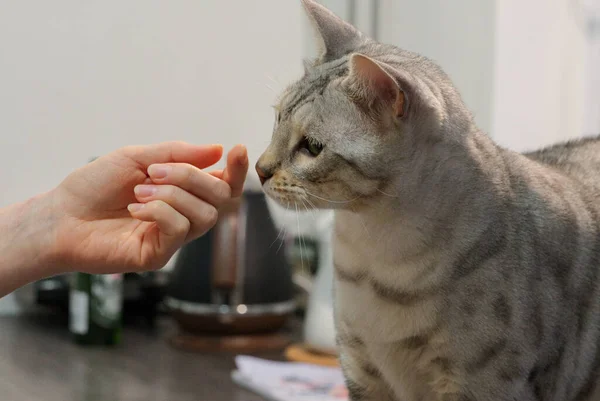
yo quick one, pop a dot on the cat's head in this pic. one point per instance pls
(354, 121)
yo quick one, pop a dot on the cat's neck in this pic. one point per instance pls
(441, 191)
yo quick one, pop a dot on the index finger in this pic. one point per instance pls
(201, 156)
(236, 170)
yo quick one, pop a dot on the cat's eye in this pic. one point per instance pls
(311, 147)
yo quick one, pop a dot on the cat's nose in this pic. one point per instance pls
(263, 174)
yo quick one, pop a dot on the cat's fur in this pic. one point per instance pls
(464, 271)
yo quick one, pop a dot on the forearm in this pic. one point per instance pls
(26, 238)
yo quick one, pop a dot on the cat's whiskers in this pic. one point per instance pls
(312, 205)
(300, 237)
(282, 240)
(271, 89)
(386, 194)
(270, 78)
(362, 222)
(278, 235)
(284, 230)
(332, 201)
(311, 210)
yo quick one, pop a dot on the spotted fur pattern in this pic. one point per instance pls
(464, 271)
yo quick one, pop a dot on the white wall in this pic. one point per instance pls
(539, 78)
(457, 34)
(589, 12)
(79, 79)
(519, 65)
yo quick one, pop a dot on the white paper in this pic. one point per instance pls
(290, 381)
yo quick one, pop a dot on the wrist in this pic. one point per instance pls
(32, 227)
(27, 242)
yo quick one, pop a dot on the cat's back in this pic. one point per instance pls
(528, 297)
(579, 159)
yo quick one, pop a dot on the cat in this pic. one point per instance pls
(463, 270)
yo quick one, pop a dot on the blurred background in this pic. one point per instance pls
(79, 79)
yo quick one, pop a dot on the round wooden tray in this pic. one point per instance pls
(305, 354)
(230, 343)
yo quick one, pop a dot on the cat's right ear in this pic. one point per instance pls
(335, 37)
(369, 83)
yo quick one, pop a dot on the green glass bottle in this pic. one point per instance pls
(95, 308)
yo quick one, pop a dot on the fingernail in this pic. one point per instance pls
(135, 207)
(144, 190)
(158, 171)
(243, 158)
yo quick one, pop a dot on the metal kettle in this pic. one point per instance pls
(232, 280)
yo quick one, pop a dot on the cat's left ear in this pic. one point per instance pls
(370, 83)
(336, 37)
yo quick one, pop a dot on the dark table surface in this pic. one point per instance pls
(38, 361)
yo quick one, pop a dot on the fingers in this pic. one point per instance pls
(216, 187)
(217, 173)
(179, 196)
(236, 170)
(201, 156)
(173, 226)
(193, 180)
(201, 215)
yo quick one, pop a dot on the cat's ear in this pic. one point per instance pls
(370, 83)
(336, 37)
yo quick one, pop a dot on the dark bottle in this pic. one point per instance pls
(95, 308)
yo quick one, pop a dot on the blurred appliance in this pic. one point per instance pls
(233, 281)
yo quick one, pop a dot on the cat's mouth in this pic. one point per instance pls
(287, 194)
(293, 195)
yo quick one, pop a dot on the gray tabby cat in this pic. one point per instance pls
(464, 271)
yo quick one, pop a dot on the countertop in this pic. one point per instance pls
(38, 361)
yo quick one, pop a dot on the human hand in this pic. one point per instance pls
(133, 208)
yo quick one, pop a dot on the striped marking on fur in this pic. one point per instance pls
(487, 355)
(385, 292)
(490, 243)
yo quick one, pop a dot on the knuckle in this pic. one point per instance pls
(222, 191)
(132, 150)
(149, 264)
(211, 215)
(169, 193)
(179, 143)
(189, 173)
(183, 227)
(155, 205)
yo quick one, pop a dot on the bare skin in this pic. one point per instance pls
(127, 211)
